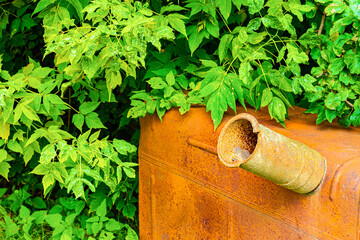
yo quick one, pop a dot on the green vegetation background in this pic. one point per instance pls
(76, 74)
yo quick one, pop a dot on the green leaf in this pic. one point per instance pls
(307, 83)
(38, 203)
(47, 154)
(330, 115)
(310, 39)
(352, 60)
(278, 80)
(113, 79)
(256, 38)
(11, 227)
(277, 110)
(41, 169)
(245, 72)
(54, 220)
(255, 6)
(177, 23)
(354, 6)
(2, 192)
(209, 89)
(266, 97)
(275, 7)
(78, 7)
(170, 79)
(88, 107)
(281, 54)
(332, 100)
(30, 113)
(129, 210)
(217, 105)
(96, 227)
(37, 134)
(4, 169)
(92, 173)
(39, 216)
(101, 210)
(78, 189)
(42, 4)
(28, 153)
(131, 234)
(171, 8)
(123, 147)
(94, 136)
(335, 8)
(346, 78)
(254, 24)
(89, 184)
(208, 63)
(92, 120)
(156, 83)
(78, 120)
(112, 225)
(47, 181)
(337, 66)
(321, 116)
(196, 39)
(236, 85)
(119, 173)
(355, 118)
(296, 55)
(130, 172)
(3, 155)
(24, 212)
(15, 26)
(212, 28)
(224, 45)
(224, 7)
(41, 72)
(15, 146)
(55, 99)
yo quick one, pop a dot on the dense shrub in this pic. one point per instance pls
(75, 72)
(273, 54)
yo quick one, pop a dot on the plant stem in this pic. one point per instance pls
(321, 24)
(349, 103)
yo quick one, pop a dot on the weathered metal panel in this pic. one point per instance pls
(187, 193)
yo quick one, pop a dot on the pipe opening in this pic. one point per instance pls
(237, 142)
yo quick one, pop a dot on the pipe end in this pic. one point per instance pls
(238, 139)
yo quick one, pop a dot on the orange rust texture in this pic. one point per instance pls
(187, 193)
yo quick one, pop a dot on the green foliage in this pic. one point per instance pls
(73, 73)
(27, 217)
(260, 53)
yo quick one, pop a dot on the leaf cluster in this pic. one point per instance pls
(273, 54)
(27, 217)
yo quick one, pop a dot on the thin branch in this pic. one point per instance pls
(349, 103)
(321, 24)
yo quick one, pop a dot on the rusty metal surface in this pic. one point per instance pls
(187, 193)
(245, 143)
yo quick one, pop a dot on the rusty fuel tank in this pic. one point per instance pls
(186, 192)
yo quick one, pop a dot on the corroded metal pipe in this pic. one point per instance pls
(245, 143)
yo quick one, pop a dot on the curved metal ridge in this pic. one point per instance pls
(338, 173)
